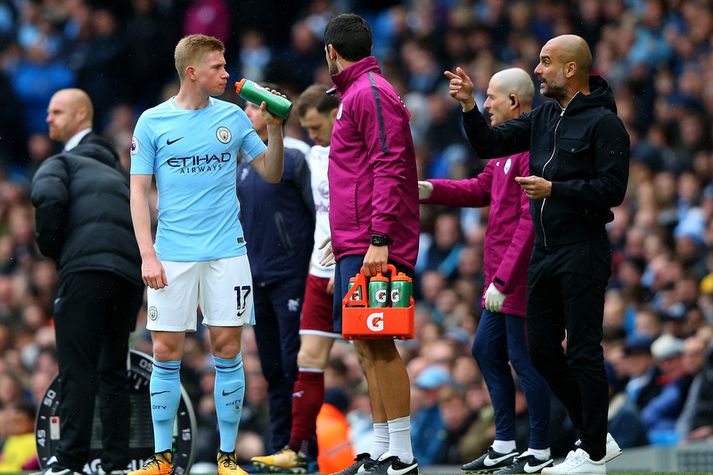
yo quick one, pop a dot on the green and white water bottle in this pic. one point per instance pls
(401, 290)
(378, 291)
(255, 93)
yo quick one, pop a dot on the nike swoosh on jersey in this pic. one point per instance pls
(169, 142)
(159, 392)
(228, 393)
(488, 462)
(534, 469)
(392, 471)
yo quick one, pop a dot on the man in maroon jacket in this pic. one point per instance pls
(373, 217)
(508, 244)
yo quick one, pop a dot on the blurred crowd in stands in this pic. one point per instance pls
(658, 323)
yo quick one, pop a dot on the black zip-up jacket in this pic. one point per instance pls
(583, 150)
(82, 215)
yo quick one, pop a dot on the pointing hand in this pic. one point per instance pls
(461, 88)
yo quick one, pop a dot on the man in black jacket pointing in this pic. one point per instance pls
(83, 222)
(579, 162)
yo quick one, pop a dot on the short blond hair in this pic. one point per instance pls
(191, 49)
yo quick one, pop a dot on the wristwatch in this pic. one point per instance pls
(380, 240)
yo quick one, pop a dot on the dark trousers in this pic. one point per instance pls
(278, 308)
(501, 338)
(94, 314)
(565, 291)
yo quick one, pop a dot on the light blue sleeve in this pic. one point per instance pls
(250, 146)
(143, 148)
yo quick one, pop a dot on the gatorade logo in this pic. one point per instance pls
(395, 295)
(380, 295)
(375, 321)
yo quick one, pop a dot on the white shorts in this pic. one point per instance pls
(223, 289)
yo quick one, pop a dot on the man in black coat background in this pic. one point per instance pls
(83, 222)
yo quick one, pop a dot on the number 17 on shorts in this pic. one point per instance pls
(222, 288)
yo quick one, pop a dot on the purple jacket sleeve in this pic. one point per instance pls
(514, 262)
(386, 148)
(473, 192)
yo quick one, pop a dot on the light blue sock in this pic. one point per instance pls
(229, 392)
(165, 388)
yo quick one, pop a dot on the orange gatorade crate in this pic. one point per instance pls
(361, 322)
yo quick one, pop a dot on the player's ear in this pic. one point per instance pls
(191, 73)
(332, 52)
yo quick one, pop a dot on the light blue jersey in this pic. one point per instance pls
(194, 155)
